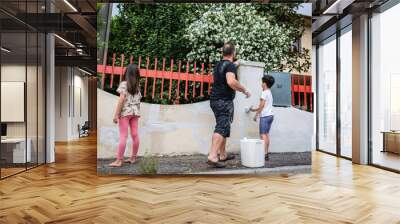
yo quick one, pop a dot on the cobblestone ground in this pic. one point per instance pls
(192, 164)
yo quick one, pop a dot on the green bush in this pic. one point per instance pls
(148, 164)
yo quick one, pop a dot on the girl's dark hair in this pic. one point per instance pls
(132, 75)
(269, 80)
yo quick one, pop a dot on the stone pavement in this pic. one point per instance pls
(292, 162)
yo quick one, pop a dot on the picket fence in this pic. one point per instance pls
(191, 74)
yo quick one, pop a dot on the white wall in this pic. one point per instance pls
(71, 94)
(12, 73)
(33, 127)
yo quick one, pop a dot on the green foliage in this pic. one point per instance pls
(164, 30)
(148, 165)
(152, 30)
(283, 15)
(260, 33)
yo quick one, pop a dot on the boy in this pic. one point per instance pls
(264, 111)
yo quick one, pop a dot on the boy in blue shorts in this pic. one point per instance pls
(264, 111)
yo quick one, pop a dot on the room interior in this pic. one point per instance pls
(22, 100)
(27, 59)
(337, 190)
(361, 34)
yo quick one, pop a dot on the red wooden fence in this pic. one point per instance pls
(156, 74)
(302, 94)
(301, 85)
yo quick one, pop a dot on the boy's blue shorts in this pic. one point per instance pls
(265, 124)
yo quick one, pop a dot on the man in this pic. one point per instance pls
(221, 102)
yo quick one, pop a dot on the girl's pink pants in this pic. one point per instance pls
(125, 122)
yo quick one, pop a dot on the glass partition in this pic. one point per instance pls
(14, 145)
(385, 89)
(22, 89)
(327, 95)
(346, 92)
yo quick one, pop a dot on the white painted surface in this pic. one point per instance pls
(71, 102)
(187, 129)
(12, 101)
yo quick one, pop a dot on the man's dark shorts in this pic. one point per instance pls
(223, 112)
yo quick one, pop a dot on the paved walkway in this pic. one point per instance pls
(196, 164)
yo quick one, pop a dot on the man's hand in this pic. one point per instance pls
(247, 93)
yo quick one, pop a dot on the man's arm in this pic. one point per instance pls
(234, 84)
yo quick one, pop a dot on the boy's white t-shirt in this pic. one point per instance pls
(267, 96)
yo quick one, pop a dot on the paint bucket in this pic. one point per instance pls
(252, 152)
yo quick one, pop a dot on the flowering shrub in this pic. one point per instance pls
(254, 36)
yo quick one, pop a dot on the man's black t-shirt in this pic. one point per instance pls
(220, 88)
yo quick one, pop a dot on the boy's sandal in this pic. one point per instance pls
(266, 157)
(217, 164)
(228, 157)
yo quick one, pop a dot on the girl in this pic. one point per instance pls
(264, 111)
(127, 114)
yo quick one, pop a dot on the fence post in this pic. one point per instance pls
(147, 72)
(202, 80)
(298, 90)
(170, 78)
(209, 76)
(162, 78)
(103, 77)
(194, 79)
(179, 79)
(122, 68)
(112, 71)
(187, 76)
(155, 78)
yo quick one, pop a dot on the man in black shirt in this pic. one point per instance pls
(221, 101)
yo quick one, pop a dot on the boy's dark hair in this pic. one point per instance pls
(269, 80)
(228, 49)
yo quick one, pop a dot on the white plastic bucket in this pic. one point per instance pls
(252, 152)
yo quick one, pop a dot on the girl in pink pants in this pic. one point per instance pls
(127, 114)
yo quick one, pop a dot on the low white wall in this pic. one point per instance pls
(187, 129)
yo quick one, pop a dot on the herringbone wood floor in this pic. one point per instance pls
(71, 192)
